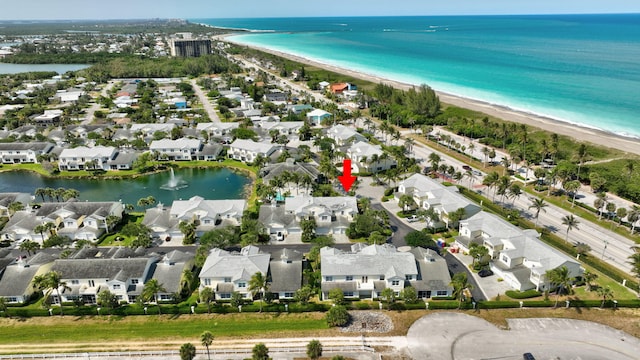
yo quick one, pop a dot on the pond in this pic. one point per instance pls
(212, 184)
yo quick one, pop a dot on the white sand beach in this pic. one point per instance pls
(580, 133)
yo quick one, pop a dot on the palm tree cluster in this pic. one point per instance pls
(57, 194)
(281, 184)
(50, 282)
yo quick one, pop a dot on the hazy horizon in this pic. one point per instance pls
(73, 10)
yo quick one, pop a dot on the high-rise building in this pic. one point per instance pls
(190, 47)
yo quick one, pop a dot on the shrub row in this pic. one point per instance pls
(522, 294)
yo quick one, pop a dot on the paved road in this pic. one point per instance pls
(204, 100)
(96, 106)
(449, 336)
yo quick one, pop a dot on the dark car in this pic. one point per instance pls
(466, 167)
(528, 356)
(485, 273)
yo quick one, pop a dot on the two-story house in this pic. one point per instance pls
(179, 149)
(518, 256)
(16, 283)
(331, 214)
(6, 199)
(228, 272)
(208, 214)
(365, 271)
(286, 273)
(369, 158)
(17, 153)
(217, 129)
(345, 136)
(248, 151)
(444, 200)
(83, 158)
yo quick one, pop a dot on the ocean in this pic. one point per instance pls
(583, 69)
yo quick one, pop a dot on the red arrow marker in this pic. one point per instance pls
(346, 179)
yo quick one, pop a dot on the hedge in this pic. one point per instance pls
(522, 294)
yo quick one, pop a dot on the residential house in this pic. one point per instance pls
(208, 214)
(290, 129)
(276, 97)
(369, 158)
(179, 149)
(298, 109)
(433, 274)
(218, 129)
(286, 273)
(98, 157)
(517, 256)
(18, 152)
(308, 175)
(87, 277)
(48, 118)
(332, 214)
(77, 220)
(365, 271)
(248, 151)
(147, 130)
(169, 272)
(161, 224)
(16, 284)
(344, 136)
(68, 96)
(430, 194)
(6, 199)
(228, 272)
(317, 116)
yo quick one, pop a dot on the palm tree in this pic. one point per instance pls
(606, 293)
(151, 290)
(572, 187)
(49, 282)
(207, 296)
(188, 229)
(40, 229)
(582, 153)
(207, 339)
(29, 246)
(407, 203)
(559, 277)
(3, 305)
(260, 352)
(187, 351)
(632, 217)
(40, 192)
(589, 277)
(538, 204)
(15, 207)
(259, 284)
(460, 283)
(571, 223)
(314, 349)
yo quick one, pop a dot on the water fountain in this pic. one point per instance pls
(174, 183)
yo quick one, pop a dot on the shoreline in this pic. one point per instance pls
(561, 127)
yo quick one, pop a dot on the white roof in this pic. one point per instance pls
(237, 266)
(175, 144)
(370, 260)
(317, 112)
(206, 208)
(252, 146)
(301, 203)
(152, 127)
(217, 125)
(362, 148)
(87, 152)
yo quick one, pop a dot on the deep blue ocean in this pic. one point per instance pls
(583, 69)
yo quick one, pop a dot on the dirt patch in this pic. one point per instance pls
(368, 322)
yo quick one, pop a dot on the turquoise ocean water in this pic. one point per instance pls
(583, 69)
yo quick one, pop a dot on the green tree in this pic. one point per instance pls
(589, 277)
(3, 306)
(560, 279)
(538, 204)
(460, 284)
(207, 296)
(259, 284)
(634, 260)
(571, 222)
(606, 293)
(388, 296)
(151, 290)
(236, 299)
(477, 252)
(107, 299)
(188, 230)
(304, 294)
(409, 295)
(260, 352)
(207, 339)
(187, 351)
(314, 349)
(337, 316)
(49, 282)
(308, 227)
(337, 295)
(29, 246)
(419, 238)
(407, 203)
(15, 207)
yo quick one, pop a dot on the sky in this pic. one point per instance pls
(190, 9)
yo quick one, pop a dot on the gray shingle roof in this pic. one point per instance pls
(102, 268)
(372, 260)
(286, 276)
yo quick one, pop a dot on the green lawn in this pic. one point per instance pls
(110, 240)
(132, 328)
